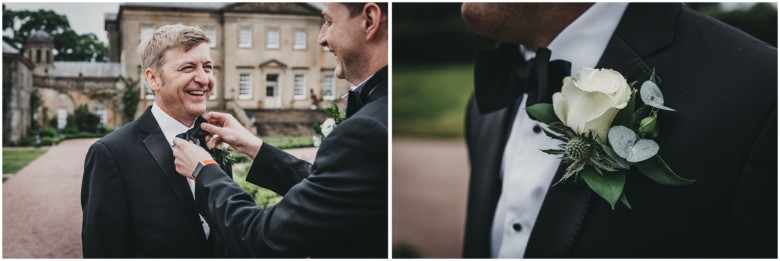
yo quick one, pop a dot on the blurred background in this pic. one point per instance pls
(432, 82)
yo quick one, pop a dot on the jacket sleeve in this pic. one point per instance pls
(105, 228)
(752, 227)
(345, 195)
(277, 170)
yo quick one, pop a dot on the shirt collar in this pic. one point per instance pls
(583, 42)
(170, 126)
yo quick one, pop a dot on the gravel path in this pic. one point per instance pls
(42, 205)
(430, 186)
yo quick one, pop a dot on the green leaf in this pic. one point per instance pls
(626, 116)
(656, 169)
(543, 112)
(609, 186)
(624, 200)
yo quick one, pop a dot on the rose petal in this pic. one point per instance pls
(584, 107)
(559, 106)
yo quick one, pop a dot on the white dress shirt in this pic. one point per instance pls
(526, 171)
(170, 128)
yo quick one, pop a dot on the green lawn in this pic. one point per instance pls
(431, 101)
(16, 159)
(289, 142)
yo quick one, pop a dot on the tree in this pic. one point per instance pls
(130, 98)
(84, 120)
(68, 45)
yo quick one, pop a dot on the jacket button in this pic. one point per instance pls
(517, 227)
(537, 129)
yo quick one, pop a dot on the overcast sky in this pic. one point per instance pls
(83, 17)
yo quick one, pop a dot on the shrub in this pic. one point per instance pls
(46, 132)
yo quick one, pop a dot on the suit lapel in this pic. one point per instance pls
(565, 207)
(162, 153)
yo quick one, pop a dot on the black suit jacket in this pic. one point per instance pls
(134, 202)
(723, 84)
(335, 207)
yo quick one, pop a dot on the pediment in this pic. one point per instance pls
(273, 63)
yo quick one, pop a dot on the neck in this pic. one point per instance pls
(186, 120)
(563, 17)
(371, 65)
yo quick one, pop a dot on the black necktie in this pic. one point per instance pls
(195, 135)
(502, 75)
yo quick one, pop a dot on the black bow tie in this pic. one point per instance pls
(354, 103)
(196, 135)
(502, 75)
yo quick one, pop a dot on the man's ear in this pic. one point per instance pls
(152, 79)
(372, 20)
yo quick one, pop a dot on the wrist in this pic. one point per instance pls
(200, 166)
(253, 147)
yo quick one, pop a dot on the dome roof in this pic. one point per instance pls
(40, 37)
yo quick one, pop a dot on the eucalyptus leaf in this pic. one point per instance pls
(543, 112)
(621, 139)
(652, 96)
(625, 144)
(643, 149)
(608, 186)
(611, 153)
(656, 169)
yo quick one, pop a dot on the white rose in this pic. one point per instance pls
(591, 100)
(221, 145)
(327, 126)
(316, 140)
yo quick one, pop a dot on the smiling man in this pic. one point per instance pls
(134, 203)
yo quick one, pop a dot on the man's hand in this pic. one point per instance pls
(231, 132)
(187, 155)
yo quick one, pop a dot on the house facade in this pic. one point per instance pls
(266, 55)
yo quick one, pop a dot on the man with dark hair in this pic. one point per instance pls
(335, 207)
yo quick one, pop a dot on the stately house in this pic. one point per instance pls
(62, 87)
(266, 55)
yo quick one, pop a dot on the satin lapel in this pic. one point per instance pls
(163, 154)
(565, 206)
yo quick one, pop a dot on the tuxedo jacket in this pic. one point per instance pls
(723, 84)
(134, 203)
(335, 207)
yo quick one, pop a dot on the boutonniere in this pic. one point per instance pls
(602, 134)
(324, 129)
(220, 152)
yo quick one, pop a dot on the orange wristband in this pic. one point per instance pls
(208, 161)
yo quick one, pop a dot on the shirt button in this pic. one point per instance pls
(517, 227)
(537, 129)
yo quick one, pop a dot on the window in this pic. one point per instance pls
(48, 56)
(212, 35)
(214, 91)
(146, 31)
(62, 118)
(270, 84)
(245, 37)
(101, 113)
(300, 40)
(299, 87)
(38, 56)
(244, 86)
(328, 87)
(272, 38)
(146, 91)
